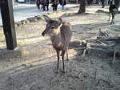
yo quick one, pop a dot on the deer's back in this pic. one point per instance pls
(66, 34)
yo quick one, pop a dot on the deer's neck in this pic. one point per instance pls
(56, 39)
(56, 35)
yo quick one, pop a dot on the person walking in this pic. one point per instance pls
(45, 5)
(89, 2)
(103, 3)
(62, 3)
(97, 1)
(38, 4)
(55, 4)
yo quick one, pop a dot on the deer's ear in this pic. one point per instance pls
(47, 19)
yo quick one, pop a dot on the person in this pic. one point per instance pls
(103, 3)
(89, 2)
(62, 3)
(38, 4)
(111, 2)
(45, 4)
(55, 4)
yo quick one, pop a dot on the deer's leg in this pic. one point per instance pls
(63, 54)
(67, 54)
(58, 58)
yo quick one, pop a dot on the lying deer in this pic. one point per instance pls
(60, 34)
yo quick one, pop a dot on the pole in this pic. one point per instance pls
(8, 24)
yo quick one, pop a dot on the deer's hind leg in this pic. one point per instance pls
(58, 58)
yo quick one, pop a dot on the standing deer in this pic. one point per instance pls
(60, 34)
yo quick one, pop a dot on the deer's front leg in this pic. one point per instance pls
(63, 54)
(67, 55)
(58, 58)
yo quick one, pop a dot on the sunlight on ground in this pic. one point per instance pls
(35, 67)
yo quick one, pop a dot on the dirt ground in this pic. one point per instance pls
(32, 65)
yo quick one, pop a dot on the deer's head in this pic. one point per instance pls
(52, 26)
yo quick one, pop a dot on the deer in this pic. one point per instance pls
(60, 35)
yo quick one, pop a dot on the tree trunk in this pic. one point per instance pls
(82, 7)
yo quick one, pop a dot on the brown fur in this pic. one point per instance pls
(60, 35)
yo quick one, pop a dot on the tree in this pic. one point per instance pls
(82, 7)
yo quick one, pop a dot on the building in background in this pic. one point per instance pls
(73, 1)
(26, 1)
(33, 1)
